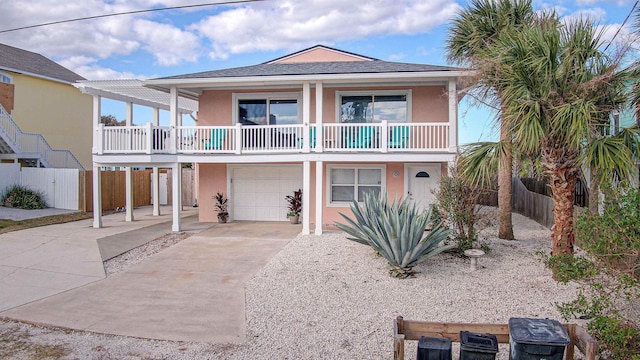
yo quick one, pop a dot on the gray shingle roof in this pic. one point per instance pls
(316, 68)
(12, 58)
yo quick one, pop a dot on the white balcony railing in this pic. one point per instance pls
(258, 139)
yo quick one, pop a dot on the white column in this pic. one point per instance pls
(319, 202)
(96, 120)
(176, 201)
(319, 133)
(453, 116)
(173, 117)
(97, 197)
(306, 189)
(156, 173)
(129, 170)
(306, 115)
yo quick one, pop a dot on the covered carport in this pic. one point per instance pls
(134, 92)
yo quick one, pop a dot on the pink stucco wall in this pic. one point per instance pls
(213, 179)
(319, 55)
(429, 104)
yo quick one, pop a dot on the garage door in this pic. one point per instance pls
(258, 192)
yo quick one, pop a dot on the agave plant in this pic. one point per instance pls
(396, 231)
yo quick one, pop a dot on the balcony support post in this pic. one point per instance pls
(97, 197)
(453, 116)
(156, 173)
(319, 202)
(173, 118)
(128, 169)
(176, 196)
(306, 115)
(319, 132)
(384, 136)
(306, 189)
(238, 138)
(96, 122)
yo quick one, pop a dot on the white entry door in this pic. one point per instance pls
(258, 192)
(423, 181)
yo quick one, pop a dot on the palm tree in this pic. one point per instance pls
(556, 86)
(477, 28)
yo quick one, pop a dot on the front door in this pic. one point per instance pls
(423, 181)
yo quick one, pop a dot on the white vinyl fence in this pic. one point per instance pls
(59, 187)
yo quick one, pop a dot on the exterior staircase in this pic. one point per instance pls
(31, 150)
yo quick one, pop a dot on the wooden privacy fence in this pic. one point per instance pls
(114, 189)
(532, 205)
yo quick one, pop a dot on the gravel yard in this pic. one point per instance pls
(330, 298)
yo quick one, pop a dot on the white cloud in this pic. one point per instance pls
(288, 24)
(100, 38)
(168, 44)
(89, 69)
(397, 57)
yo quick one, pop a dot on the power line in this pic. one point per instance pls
(622, 25)
(129, 13)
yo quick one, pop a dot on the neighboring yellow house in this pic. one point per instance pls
(39, 95)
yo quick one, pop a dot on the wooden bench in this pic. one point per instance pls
(413, 330)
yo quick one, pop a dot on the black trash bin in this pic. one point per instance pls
(434, 348)
(536, 339)
(474, 346)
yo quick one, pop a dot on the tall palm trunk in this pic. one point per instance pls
(594, 191)
(562, 169)
(505, 192)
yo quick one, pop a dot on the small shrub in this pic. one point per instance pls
(456, 205)
(22, 197)
(221, 206)
(396, 231)
(294, 203)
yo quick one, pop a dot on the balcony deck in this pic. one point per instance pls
(274, 139)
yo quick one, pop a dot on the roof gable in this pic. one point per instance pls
(319, 53)
(27, 62)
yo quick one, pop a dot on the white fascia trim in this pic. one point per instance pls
(36, 75)
(325, 78)
(124, 98)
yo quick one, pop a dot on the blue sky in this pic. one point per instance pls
(206, 38)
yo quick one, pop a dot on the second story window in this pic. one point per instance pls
(5, 78)
(267, 109)
(374, 107)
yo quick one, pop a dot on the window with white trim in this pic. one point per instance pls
(5, 78)
(374, 106)
(267, 108)
(348, 183)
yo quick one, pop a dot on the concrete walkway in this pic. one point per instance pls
(39, 262)
(192, 291)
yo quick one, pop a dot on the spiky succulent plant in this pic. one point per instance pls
(396, 231)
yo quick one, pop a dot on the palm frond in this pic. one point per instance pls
(478, 162)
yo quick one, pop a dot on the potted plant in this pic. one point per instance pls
(295, 206)
(221, 207)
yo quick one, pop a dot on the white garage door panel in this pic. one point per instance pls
(259, 191)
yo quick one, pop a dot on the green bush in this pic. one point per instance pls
(396, 231)
(456, 206)
(23, 198)
(608, 274)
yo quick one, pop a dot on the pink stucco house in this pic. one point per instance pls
(332, 123)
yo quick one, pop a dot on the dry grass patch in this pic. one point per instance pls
(15, 343)
(15, 225)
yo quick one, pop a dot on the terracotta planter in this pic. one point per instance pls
(294, 219)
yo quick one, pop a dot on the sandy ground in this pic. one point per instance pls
(329, 298)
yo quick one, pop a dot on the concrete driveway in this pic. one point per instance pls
(192, 291)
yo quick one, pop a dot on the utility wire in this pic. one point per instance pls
(622, 25)
(129, 13)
